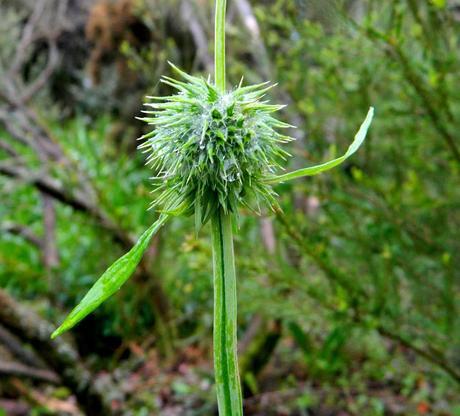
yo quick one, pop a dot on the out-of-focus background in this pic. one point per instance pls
(348, 304)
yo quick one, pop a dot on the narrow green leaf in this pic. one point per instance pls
(112, 280)
(314, 170)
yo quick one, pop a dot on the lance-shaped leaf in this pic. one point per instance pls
(314, 170)
(112, 280)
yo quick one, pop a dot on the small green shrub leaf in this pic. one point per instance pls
(314, 170)
(112, 280)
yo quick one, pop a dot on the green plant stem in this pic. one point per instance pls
(227, 377)
(225, 318)
(219, 55)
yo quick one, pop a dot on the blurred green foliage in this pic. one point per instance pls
(364, 277)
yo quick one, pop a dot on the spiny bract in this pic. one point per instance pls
(212, 150)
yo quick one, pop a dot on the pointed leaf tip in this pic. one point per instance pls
(112, 279)
(315, 170)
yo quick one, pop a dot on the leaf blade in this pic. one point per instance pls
(315, 170)
(111, 280)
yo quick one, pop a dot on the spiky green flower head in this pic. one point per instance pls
(213, 150)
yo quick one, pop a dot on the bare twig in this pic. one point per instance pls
(56, 190)
(21, 370)
(26, 127)
(22, 231)
(358, 296)
(50, 251)
(22, 125)
(434, 357)
(58, 354)
(431, 100)
(43, 77)
(198, 33)
(8, 149)
(265, 67)
(268, 235)
(14, 345)
(259, 50)
(262, 336)
(27, 38)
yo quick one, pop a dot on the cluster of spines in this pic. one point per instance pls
(212, 150)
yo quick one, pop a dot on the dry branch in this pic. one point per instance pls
(21, 370)
(359, 297)
(21, 230)
(58, 355)
(200, 38)
(14, 345)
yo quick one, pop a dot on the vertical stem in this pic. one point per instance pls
(219, 55)
(225, 318)
(228, 384)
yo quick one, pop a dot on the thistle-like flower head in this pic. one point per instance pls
(213, 150)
